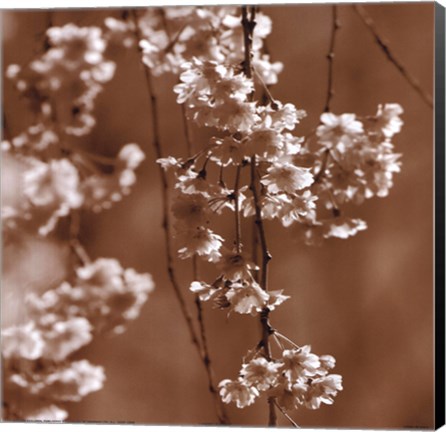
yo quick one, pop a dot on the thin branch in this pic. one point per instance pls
(6, 128)
(238, 237)
(331, 56)
(383, 44)
(266, 93)
(266, 256)
(187, 131)
(255, 247)
(165, 197)
(248, 29)
(219, 407)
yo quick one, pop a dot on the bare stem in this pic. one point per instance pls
(331, 56)
(383, 44)
(165, 199)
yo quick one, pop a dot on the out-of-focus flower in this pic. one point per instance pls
(22, 342)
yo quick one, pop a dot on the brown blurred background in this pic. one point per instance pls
(367, 300)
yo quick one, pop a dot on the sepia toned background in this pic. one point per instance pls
(367, 300)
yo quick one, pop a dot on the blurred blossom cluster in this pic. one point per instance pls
(59, 180)
(256, 166)
(37, 371)
(65, 80)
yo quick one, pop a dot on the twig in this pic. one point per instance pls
(266, 93)
(287, 339)
(323, 167)
(165, 197)
(330, 57)
(278, 341)
(286, 415)
(75, 244)
(383, 44)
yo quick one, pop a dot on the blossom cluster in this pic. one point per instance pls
(296, 180)
(297, 378)
(355, 160)
(37, 370)
(173, 36)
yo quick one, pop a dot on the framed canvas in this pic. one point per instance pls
(224, 215)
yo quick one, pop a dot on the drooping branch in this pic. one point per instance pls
(202, 347)
(6, 128)
(76, 246)
(331, 57)
(248, 29)
(205, 354)
(165, 196)
(266, 330)
(219, 407)
(383, 44)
